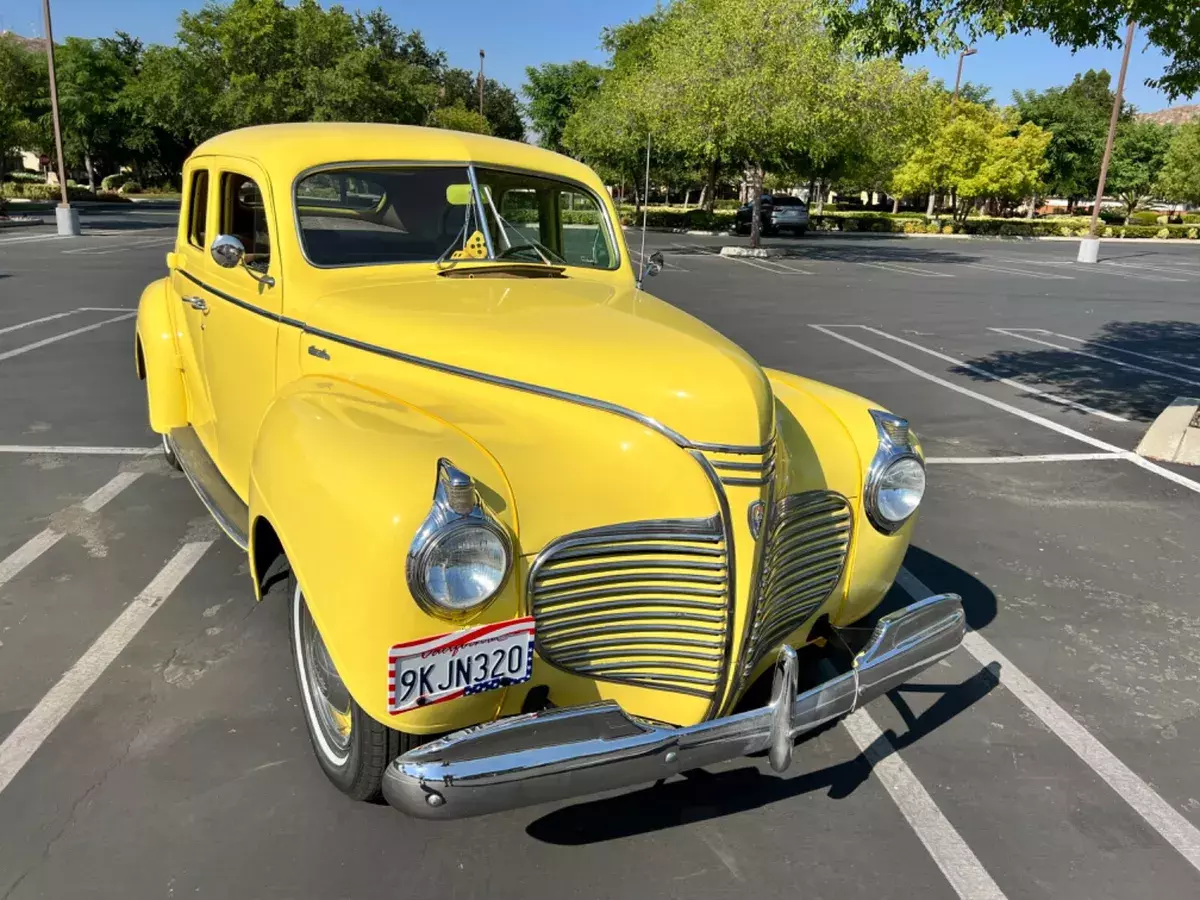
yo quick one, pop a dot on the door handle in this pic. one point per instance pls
(197, 303)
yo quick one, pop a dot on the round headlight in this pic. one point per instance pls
(463, 566)
(900, 489)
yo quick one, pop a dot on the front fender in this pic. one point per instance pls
(875, 558)
(345, 476)
(156, 356)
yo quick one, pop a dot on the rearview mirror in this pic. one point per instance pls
(458, 194)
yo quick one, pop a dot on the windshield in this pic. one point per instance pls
(431, 214)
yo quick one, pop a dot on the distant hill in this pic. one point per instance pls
(1175, 115)
(33, 45)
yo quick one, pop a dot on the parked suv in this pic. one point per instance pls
(780, 212)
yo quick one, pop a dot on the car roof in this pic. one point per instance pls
(288, 149)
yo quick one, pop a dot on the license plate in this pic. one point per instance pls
(458, 664)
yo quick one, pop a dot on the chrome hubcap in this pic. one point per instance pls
(330, 699)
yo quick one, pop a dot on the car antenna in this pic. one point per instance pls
(645, 213)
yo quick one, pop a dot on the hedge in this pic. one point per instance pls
(844, 221)
(114, 182)
(10, 190)
(25, 177)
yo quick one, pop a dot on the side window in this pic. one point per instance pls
(198, 210)
(244, 215)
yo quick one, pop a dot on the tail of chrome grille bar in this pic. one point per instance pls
(571, 752)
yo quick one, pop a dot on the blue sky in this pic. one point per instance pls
(517, 33)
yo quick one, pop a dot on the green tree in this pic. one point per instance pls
(979, 153)
(1077, 116)
(460, 87)
(19, 90)
(555, 91)
(252, 62)
(1179, 179)
(1138, 157)
(904, 27)
(459, 118)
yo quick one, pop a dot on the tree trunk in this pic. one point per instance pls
(756, 180)
(710, 189)
(820, 196)
(1032, 205)
(687, 197)
(930, 205)
(702, 203)
(87, 162)
(895, 205)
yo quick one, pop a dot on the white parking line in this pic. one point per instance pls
(1045, 276)
(1138, 461)
(9, 354)
(1088, 269)
(103, 250)
(1112, 349)
(18, 327)
(780, 269)
(904, 270)
(1169, 269)
(31, 733)
(991, 376)
(1158, 813)
(43, 237)
(1031, 458)
(16, 561)
(1019, 333)
(950, 852)
(32, 449)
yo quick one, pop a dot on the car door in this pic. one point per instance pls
(190, 312)
(242, 326)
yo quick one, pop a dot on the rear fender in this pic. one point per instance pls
(344, 477)
(156, 356)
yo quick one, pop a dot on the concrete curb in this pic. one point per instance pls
(1175, 435)
(883, 235)
(18, 223)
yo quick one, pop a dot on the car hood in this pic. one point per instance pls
(614, 344)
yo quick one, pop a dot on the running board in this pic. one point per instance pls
(210, 485)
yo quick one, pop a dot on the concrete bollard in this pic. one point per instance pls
(1089, 250)
(68, 220)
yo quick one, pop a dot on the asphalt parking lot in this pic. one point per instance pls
(1053, 756)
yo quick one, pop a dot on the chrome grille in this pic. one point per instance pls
(807, 539)
(741, 466)
(643, 603)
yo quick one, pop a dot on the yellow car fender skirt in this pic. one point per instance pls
(343, 477)
(156, 357)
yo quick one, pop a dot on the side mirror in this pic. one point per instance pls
(228, 251)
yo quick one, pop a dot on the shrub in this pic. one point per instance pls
(112, 197)
(1112, 216)
(113, 182)
(725, 204)
(1193, 233)
(131, 187)
(1163, 232)
(1144, 218)
(947, 229)
(25, 177)
(1191, 219)
(11, 189)
(1108, 232)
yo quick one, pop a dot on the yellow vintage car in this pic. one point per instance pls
(541, 532)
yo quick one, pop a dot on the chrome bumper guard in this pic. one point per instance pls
(570, 752)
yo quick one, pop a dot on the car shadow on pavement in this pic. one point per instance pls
(1130, 369)
(883, 250)
(700, 794)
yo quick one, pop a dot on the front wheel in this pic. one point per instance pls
(352, 749)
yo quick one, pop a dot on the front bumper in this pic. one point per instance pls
(571, 752)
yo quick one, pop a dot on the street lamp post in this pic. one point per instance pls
(66, 216)
(1089, 247)
(970, 51)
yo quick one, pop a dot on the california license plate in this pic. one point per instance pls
(449, 666)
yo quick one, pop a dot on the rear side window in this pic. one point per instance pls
(198, 209)
(244, 215)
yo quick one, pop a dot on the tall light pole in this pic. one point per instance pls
(1089, 247)
(66, 216)
(970, 51)
(481, 82)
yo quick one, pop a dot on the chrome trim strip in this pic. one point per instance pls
(743, 467)
(746, 482)
(736, 449)
(564, 753)
(231, 528)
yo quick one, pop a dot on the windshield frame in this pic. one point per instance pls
(477, 206)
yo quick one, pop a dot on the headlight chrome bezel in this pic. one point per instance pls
(896, 443)
(456, 507)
